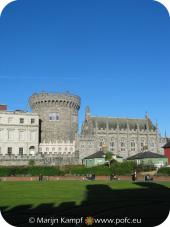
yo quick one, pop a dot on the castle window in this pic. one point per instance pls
(122, 149)
(21, 120)
(32, 120)
(54, 117)
(9, 151)
(10, 134)
(112, 144)
(21, 150)
(71, 149)
(21, 135)
(32, 135)
(122, 144)
(133, 146)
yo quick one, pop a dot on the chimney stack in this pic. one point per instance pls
(3, 107)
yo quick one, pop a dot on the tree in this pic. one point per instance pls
(108, 157)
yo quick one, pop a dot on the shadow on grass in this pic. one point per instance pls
(150, 204)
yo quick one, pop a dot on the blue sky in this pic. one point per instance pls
(114, 54)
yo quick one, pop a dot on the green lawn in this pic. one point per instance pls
(57, 192)
(21, 199)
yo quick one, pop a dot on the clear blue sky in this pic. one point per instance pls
(114, 54)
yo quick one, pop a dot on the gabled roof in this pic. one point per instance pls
(121, 122)
(118, 156)
(167, 145)
(146, 154)
(98, 154)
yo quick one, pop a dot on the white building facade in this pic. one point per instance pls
(58, 148)
(19, 133)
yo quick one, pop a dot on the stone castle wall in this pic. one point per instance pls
(58, 114)
(44, 160)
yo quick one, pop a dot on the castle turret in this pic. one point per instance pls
(87, 112)
(58, 114)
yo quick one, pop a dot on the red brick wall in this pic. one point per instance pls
(167, 154)
(3, 107)
(56, 178)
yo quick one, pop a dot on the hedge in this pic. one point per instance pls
(30, 171)
(124, 168)
(54, 171)
(97, 170)
(165, 171)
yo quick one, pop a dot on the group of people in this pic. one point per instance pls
(148, 177)
(90, 176)
(112, 177)
(134, 176)
(40, 178)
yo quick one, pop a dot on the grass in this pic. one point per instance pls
(35, 193)
(84, 197)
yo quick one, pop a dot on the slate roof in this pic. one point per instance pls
(167, 145)
(146, 154)
(118, 156)
(122, 122)
(98, 154)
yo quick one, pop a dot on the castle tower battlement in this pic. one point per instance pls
(58, 114)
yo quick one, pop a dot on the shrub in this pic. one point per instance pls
(31, 171)
(31, 163)
(97, 170)
(124, 168)
(164, 171)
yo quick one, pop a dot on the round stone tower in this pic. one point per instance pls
(58, 114)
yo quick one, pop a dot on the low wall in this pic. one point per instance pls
(56, 178)
(46, 161)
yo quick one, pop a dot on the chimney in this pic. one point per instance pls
(3, 107)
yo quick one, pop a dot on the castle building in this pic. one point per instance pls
(58, 113)
(50, 132)
(19, 133)
(121, 136)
